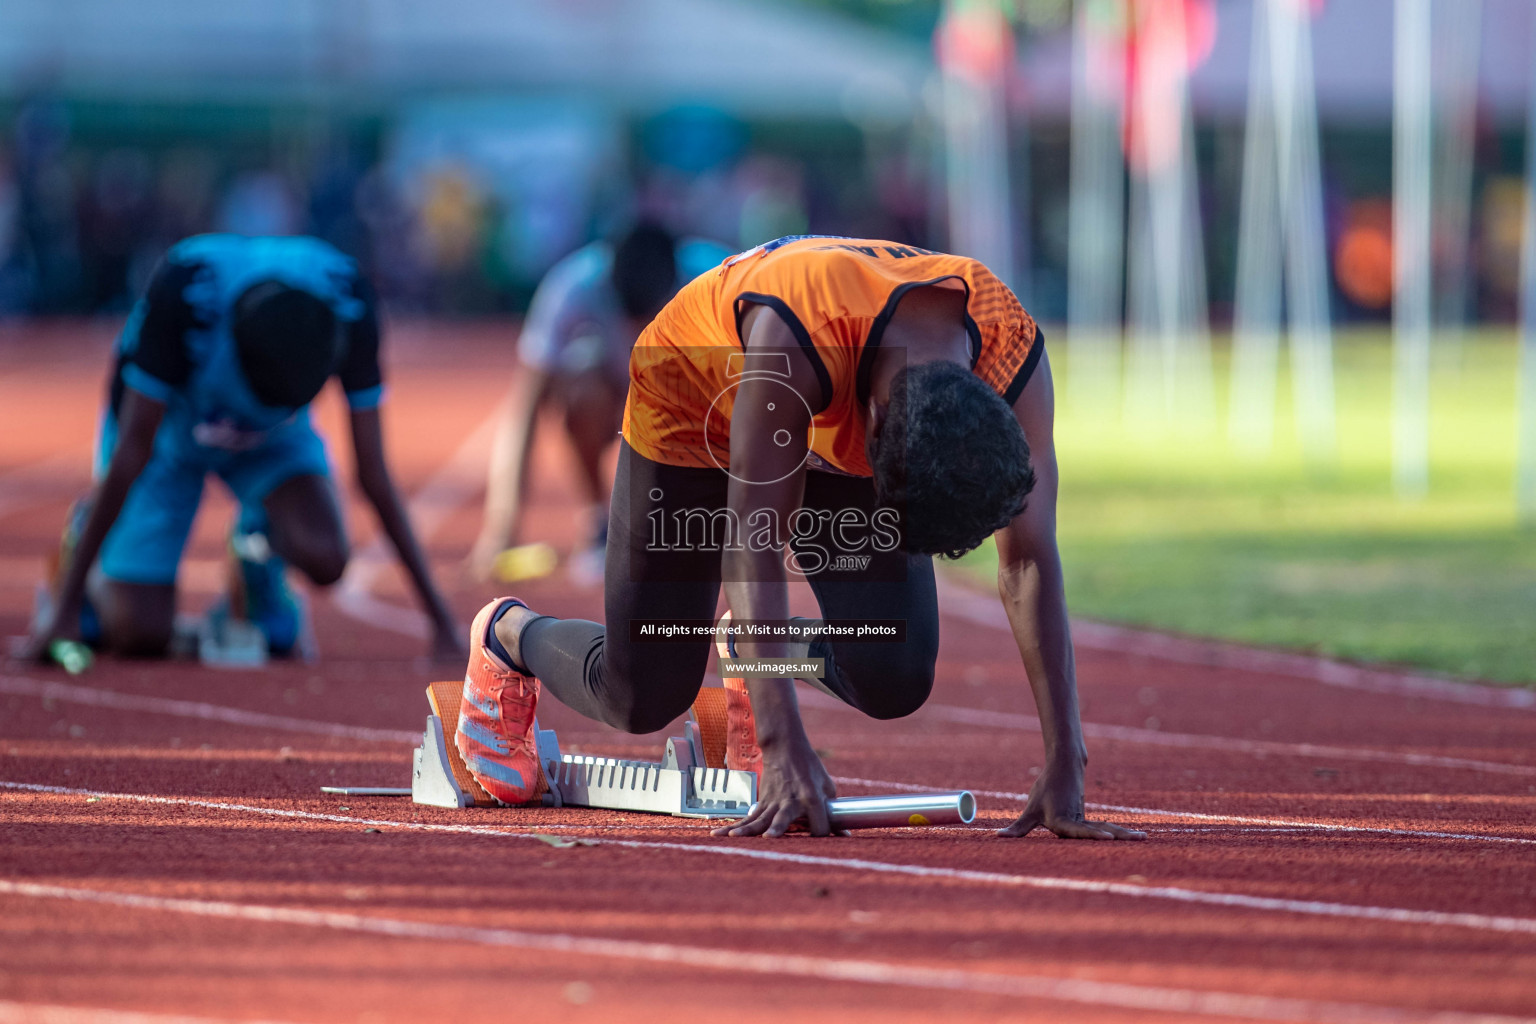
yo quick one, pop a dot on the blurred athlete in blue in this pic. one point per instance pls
(213, 374)
(574, 351)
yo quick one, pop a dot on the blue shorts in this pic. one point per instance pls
(146, 542)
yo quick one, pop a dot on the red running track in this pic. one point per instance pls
(1325, 844)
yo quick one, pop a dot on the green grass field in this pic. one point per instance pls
(1165, 525)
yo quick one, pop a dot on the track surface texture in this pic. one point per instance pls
(1326, 843)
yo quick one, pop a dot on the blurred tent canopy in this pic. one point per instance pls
(1352, 55)
(755, 59)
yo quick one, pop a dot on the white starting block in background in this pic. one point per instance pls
(681, 784)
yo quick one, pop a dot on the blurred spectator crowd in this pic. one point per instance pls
(83, 221)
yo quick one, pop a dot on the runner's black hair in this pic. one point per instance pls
(645, 269)
(288, 343)
(951, 458)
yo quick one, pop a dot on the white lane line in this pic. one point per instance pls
(73, 694)
(66, 693)
(447, 489)
(1238, 901)
(916, 829)
(1195, 741)
(1235, 819)
(961, 601)
(1231, 819)
(870, 972)
(1218, 828)
(43, 1013)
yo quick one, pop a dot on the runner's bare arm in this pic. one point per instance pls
(1029, 581)
(508, 473)
(138, 419)
(769, 434)
(374, 478)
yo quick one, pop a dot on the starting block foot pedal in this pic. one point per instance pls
(224, 641)
(439, 776)
(433, 780)
(707, 718)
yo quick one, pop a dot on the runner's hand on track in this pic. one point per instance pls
(480, 564)
(1056, 802)
(794, 787)
(58, 624)
(32, 648)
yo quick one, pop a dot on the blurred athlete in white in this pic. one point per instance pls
(574, 351)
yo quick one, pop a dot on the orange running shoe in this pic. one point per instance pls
(741, 750)
(495, 731)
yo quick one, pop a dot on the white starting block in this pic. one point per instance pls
(680, 784)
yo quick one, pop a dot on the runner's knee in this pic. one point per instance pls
(652, 715)
(137, 620)
(647, 705)
(324, 563)
(898, 697)
(892, 681)
(304, 527)
(139, 636)
(321, 558)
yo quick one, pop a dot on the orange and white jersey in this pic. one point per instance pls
(836, 295)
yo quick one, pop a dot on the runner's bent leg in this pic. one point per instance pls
(304, 527)
(137, 619)
(594, 411)
(133, 584)
(883, 679)
(605, 674)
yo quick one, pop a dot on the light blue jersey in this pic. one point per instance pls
(178, 347)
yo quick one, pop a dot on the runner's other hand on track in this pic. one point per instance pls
(33, 648)
(480, 564)
(1056, 802)
(793, 788)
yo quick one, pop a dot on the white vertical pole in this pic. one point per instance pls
(1460, 30)
(1140, 392)
(1256, 311)
(1165, 194)
(1195, 375)
(1525, 471)
(1306, 254)
(1169, 275)
(1412, 155)
(976, 135)
(1096, 224)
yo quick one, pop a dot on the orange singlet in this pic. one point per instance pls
(836, 295)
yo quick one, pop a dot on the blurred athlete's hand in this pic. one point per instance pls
(58, 623)
(481, 561)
